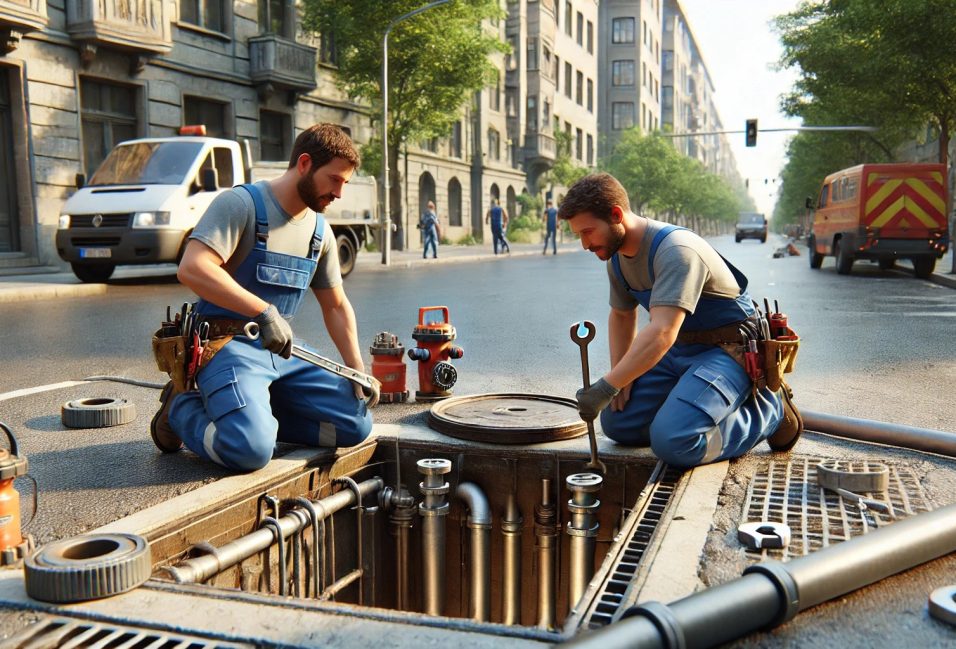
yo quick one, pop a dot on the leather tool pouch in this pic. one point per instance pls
(211, 348)
(779, 356)
(170, 353)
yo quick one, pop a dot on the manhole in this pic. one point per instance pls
(504, 418)
(788, 492)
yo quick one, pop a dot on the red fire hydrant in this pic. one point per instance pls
(436, 376)
(388, 366)
(14, 546)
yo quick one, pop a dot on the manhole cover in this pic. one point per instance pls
(508, 418)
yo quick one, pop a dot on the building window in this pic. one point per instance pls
(328, 52)
(108, 115)
(430, 145)
(590, 150)
(644, 74)
(668, 62)
(590, 96)
(275, 135)
(209, 14)
(579, 94)
(277, 17)
(590, 37)
(580, 28)
(511, 101)
(568, 14)
(494, 145)
(557, 69)
(454, 140)
(622, 115)
(454, 203)
(495, 94)
(532, 107)
(622, 73)
(622, 30)
(532, 53)
(579, 144)
(567, 80)
(210, 113)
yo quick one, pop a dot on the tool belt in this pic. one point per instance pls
(726, 335)
(169, 350)
(779, 356)
(219, 327)
(185, 344)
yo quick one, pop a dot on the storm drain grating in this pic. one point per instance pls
(650, 509)
(64, 633)
(787, 492)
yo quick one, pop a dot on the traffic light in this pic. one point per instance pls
(751, 132)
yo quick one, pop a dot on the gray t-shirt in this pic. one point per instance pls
(685, 268)
(229, 227)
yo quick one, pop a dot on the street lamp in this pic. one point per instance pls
(386, 217)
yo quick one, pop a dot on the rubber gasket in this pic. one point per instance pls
(942, 604)
(97, 412)
(91, 566)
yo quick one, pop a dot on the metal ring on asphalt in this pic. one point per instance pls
(97, 412)
(87, 567)
(942, 604)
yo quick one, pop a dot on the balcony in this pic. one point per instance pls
(539, 149)
(18, 17)
(139, 27)
(276, 63)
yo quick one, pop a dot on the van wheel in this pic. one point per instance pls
(816, 259)
(886, 264)
(93, 273)
(737, 238)
(924, 267)
(844, 260)
(346, 253)
(763, 239)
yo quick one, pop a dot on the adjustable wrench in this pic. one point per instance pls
(369, 383)
(582, 342)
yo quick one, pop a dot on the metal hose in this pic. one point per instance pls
(866, 430)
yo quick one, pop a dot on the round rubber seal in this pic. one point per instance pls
(97, 412)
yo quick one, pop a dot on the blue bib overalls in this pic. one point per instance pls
(551, 230)
(247, 398)
(697, 405)
(430, 232)
(497, 235)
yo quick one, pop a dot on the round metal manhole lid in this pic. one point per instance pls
(505, 418)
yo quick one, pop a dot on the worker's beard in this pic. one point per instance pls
(310, 196)
(615, 239)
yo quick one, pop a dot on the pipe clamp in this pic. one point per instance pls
(786, 587)
(664, 621)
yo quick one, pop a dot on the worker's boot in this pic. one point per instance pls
(788, 432)
(163, 436)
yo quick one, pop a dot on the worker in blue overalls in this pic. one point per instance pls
(676, 385)
(251, 258)
(550, 218)
(498, 218)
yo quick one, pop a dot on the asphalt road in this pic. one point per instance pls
(876, 344)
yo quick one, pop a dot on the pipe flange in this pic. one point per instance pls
(433, 466)
(87, 567)
(590, 532)
(584, 482)
(663, 620)
(441, 510)
(942, 604)
(580, 508)
(786, 587)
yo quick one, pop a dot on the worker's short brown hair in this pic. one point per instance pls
(323, 143)
(597, 194)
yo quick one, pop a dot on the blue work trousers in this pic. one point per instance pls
(431, 241)
(552, 235)
(248, 398)
(498, 238)
(696, 406)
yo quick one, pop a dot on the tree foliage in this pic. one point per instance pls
(659, 178)
(436, 60)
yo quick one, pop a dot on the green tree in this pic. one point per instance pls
(436, 60)
(565, 171)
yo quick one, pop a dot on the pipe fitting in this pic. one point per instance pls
(583, 530)
(511, 528)
(479, 521)
(433, 510)
(546, 535)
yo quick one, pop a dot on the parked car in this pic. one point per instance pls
(751, 225)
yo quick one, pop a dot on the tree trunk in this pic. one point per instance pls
(944, 159)
(395, 198)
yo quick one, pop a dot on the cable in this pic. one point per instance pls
(123, 379)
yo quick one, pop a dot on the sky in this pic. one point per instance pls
(740, 50)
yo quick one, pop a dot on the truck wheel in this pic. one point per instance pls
(886, 264)
(346, 253)
(844, 259)
(924, 267)
(816, 259)
(93, 273)
(737, 238)
(763, 239)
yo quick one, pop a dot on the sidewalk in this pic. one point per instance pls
(42, 286)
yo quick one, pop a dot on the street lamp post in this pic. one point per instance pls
(386, 225)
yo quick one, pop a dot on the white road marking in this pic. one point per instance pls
(40, 388)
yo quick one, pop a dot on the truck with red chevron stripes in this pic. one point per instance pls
(881, 213)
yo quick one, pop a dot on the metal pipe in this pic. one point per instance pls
(433, 510)
(201, 568)
(546, 534)
(582, 530)
(511, 524)
(881, 432)
(479, 522)
(401, 517)
(772, 593)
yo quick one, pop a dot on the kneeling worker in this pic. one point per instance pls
(252, 257)
(672, 386)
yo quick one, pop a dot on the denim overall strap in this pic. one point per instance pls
(711, 312)
(277, 278)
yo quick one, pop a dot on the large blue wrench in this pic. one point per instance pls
(582, 342)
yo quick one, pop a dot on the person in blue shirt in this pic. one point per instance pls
(431, 230)
(498, 217)
(550, 218)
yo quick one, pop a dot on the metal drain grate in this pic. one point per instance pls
(640, 528)
(64, 633)
(787, 492)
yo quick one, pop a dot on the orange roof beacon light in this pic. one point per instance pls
(193, 129)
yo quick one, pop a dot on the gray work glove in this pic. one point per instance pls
(593, 400)
(274, 332)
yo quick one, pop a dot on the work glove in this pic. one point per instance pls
(274, 332)
(592, 400)
(372, 395)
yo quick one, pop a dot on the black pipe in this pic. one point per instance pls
(867, 430)
(771, 593)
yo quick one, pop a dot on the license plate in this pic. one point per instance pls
(95, 253)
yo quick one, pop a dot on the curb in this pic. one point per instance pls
(25, 292)
(450, 259)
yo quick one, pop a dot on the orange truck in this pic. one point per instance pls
(881, 212)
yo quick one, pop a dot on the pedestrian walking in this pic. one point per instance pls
(498, 217)
(550, 218)
(672, 386)
(431, 231)
(252, 257)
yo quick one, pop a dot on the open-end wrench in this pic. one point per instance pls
(582, 342)
(369, 383)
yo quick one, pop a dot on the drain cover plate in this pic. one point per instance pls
(508, 418)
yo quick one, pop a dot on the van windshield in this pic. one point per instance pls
(147, 163)
(752, 219)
